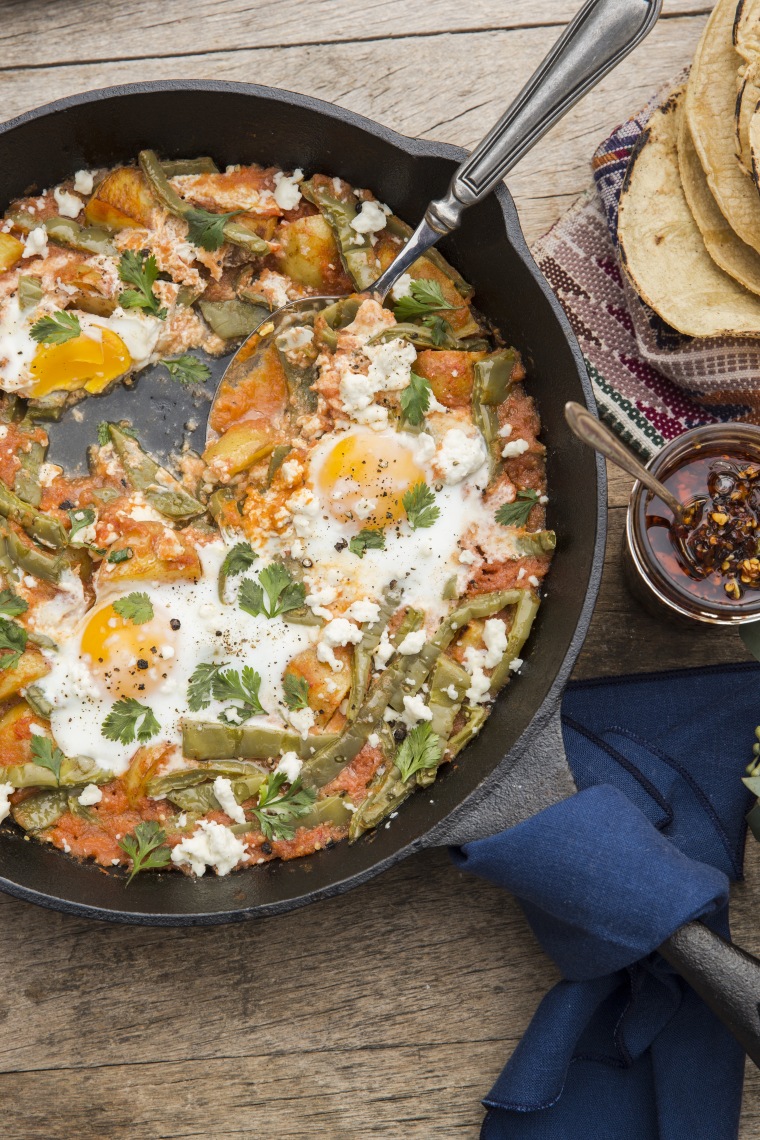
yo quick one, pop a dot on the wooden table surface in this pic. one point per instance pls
(393, 1008)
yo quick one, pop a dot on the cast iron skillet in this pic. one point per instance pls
(236, 122)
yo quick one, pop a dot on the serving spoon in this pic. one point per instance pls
(600, 36)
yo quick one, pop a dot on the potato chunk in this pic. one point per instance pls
(122, 201)
(10, 251)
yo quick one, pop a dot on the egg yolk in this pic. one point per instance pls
(81, 362)
(365, 476)
(128, 660)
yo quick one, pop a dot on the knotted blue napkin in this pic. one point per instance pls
(622, 1048)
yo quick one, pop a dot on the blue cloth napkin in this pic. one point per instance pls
(622, 1048)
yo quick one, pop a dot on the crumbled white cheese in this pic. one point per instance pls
(90, 795)
(373, 740)
(286, 192)
(36, 244)
(390, 364)
(212, 845)
(69, 205)
(273, 287)
(521, 574)
(363, 610)
(374, 417)
(305, 510)
(83, 182)
(227, 802)
(505, 431)
(460, 455)
(291, 765)
(543, 500)
(317, 599)
(5, 807)
(182, 819)
(356, 392)
(290, 470)
(495, 639)
(516, 664)
(370, 219)
(293, 339)
(415, 711)
(466, 557)
(301, 720)
(480, 683)
(412, 643)
(402, 287)
(363, 508)
(533, 580)
(337, 632)
(384, 651)
(514, 448)
(452, 692)
(48, 473)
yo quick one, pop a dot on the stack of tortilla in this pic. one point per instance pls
(689, 221)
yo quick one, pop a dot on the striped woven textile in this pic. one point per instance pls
(650, 382)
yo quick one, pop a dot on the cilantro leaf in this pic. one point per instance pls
(419, 504)
(122, 555)
(44, 754)
(415, 399)
(200, 689)
(188, 369)
(56, 328)
(275, 593)
(440, 329)
(516, 513)
(135, 607)
(243, 690)
(238, 559)
(367, 539)
(140, 270)
(145, 847)
(424, 297)
(128, 720)
(296, 691)
(12, 637)
(11, 605)
(276, 812)
(420, 749)
(206, 229)
(81, 517)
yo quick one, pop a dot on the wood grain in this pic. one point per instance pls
(392, 1009)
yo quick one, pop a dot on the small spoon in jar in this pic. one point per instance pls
(600, 36)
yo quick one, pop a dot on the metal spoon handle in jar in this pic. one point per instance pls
(600, 36)
(593, 432)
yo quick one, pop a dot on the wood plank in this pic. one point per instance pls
(136, 30)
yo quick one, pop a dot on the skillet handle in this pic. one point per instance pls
(726, 977)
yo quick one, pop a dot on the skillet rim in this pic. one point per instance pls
(547, 709)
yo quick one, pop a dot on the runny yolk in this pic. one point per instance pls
(365, 476)
(82, 362)
(125, 659)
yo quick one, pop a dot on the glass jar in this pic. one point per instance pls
(673, 594)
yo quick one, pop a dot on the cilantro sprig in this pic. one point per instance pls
(367, 539)
(12, 638)
(238, 559)
(420, 749)
(56, 328)
(516, 513)
(424, 297)
(141, 271)
(210, 681)
(146, 848)
(440, 329)
(188, 369)
(275, 593)
(44, 754)
(415, 400)
(206, 229)
(277, 812)
(135, 607)
(419, 504)
(128, 721)
(11, 605)
(295, 691)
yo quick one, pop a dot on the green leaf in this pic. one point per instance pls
(140, 270)
(238, 559)
(415, 400)
(206, 229)
(104, 435)
(296, 691)
(122, 555)
(424, 297)
(12, 637)
(145, 847)
(421, 749)
(135, 607)
(282, 592)
(244, 690)
(419, 504)
(44, 754)
(277, 813)
(11, 605)
(516, 513)
(440, 329)
(128, 720)
(200, 689)
(367, 539)
(80, 518)
(188, 369)
(56, 328)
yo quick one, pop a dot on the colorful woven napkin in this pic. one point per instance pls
(651, 383)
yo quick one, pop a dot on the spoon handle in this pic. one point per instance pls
(600, 36)
(593, 432)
